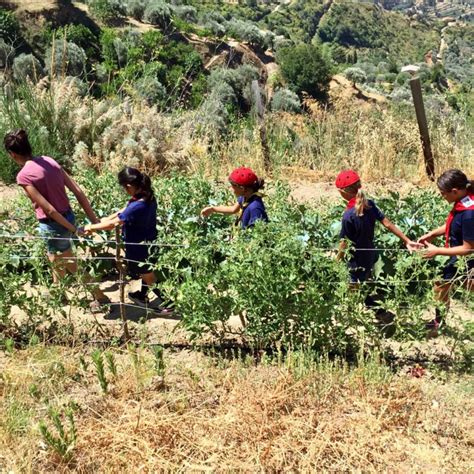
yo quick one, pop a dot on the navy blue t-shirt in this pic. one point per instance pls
(139, 218)
(462, 228)
(360, 231)
(253, 210)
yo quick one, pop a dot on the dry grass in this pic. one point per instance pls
(214, 414)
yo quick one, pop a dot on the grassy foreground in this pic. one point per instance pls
(199, 412)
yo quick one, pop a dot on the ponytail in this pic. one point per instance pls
(17, 142)
(259, 184)
(141, 181)
(361, 202)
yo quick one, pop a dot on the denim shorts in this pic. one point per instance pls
(57, 237)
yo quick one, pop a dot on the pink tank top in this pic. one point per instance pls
(47, 176)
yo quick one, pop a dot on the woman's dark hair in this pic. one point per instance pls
(138, 179)
(17, 142)
(259, 184)
(454, 178)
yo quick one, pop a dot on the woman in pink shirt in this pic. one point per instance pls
(45, 182)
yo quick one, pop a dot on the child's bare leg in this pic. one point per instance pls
(61, 264)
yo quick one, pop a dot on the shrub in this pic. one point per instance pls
(66, 59)
(305, 69)
(136, 8)
(7, 53)
(157, 13)
(106, 11)
(9, 26)
(151, 90)
(285, 100)
(26, 66)
(186, 12)
(355, 74)
(246, 31)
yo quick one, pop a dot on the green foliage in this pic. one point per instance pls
(50, 125)
(9, 26)
(159, 360)
(64, 442)
(157, 13)
(98, 361)
(305, 69)
(78, 34)
(26, 66)
(136, 8)
(65, 58)
(111, 364)
(285, 100)
(107, 11)
(151, 90)
(7, 53)
(355, 75)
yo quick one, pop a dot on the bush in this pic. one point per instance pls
(136, 8)
(285, 100)
(106, 11)
(305, 69)
(157, 13)
(7, 53)
(9, 26)
(246, 31)
(355, 74)
(151, 90)
(186, 13)
(69, 59)
(26, 66)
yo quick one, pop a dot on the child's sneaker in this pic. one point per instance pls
(432, 328)
(138, 298)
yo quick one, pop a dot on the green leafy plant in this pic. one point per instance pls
(64, 441)
(98, 361)
(159, 360)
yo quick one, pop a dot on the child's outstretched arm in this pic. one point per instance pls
(410, 245)
(207, 211)
(427, 238)
(341, 249)
(467, 248)
(103, 225)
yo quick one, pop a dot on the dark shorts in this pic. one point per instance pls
(57, 237)
(453, 270)
(140, 259)
(360, 268)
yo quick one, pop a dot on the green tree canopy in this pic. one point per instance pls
(305, 69)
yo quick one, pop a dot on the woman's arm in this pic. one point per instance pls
(424, 239)
(390, 226)
(207, 211)
(467, 248)
(37, 198)
(81, 197)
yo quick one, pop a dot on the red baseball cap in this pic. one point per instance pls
(243, 177)
(346, 178)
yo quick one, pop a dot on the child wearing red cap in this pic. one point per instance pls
(459, 234)
(358, 226)
(249, 206)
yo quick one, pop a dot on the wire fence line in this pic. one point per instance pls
(162, 244)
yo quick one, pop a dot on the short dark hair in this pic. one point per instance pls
(17, 142)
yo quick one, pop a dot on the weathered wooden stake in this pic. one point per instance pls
(415, 86)
(260, 111)
(121, 270)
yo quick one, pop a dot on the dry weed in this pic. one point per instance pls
(221, 415)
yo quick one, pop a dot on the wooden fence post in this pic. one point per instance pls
(121, 270)
(415, 86)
